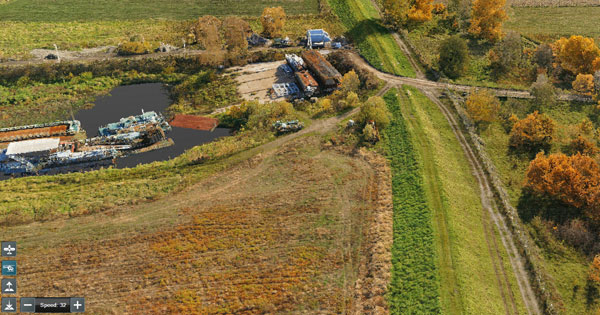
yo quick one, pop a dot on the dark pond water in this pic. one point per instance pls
(129, 100)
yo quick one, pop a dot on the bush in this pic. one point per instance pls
(543, 92)
(454, 54)
(134, 48)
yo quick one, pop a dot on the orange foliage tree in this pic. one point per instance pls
(420, 11)
(582, 145)
(273, 20)
(584, 84)
(483, 106)
(531, 132)
(487, 17)
(577, 54)
(575, 180)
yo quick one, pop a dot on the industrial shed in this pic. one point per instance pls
(33, 147)
(323, 71)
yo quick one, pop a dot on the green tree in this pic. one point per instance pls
(454, 54)
(374, 109)
(507, 54)
(543, 91)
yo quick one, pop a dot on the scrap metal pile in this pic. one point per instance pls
(45, 152)
(287, 126)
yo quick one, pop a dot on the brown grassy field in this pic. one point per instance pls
(281, 232)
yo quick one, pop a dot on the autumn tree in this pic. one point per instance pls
(584, 84)
(207, 32)
(454, 55)
(574, 180)
(543, 92)
(374, 109)
(236, 31)
(483, 106)
(583, 145)
(273, 20)
(577, 54)
(395, 12)
(487, 17)
(350, 82)
(420, 11)
(532, 132)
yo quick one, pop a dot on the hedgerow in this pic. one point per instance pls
(415, 285)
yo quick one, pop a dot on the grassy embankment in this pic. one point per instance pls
(373, 40)
(567, 266)
(451, 206)
(69, 25)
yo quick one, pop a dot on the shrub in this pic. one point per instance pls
(543, 57)
(532, 132)
(134, 48)
(454, 54)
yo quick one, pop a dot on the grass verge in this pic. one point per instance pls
(372, 39)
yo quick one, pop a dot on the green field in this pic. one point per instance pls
(17, 39)
(546, 24)
(467, 280)
(118, 10)
(373, 40)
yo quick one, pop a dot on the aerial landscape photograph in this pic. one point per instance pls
(300, 157)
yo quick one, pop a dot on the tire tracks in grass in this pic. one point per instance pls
(490, 207)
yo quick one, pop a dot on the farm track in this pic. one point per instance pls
(487, 199)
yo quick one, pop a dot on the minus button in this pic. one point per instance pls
(27, 305)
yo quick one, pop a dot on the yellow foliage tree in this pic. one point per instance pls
(577, 54)
(273, 20)
(207, 32)
(487, 17)
(395, 12)
(350, 82)
(236, 31)
(420, 11)
(584, 84)
(483, 106)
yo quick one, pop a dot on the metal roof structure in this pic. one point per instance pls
(32, 146)
(317, 37)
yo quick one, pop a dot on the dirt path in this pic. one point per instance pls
(487, 199)
(427, 84)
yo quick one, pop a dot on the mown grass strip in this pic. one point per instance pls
(372, 39)
(415, 283)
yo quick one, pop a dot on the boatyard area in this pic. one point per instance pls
(51, 148)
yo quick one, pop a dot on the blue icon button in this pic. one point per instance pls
(9, 267)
